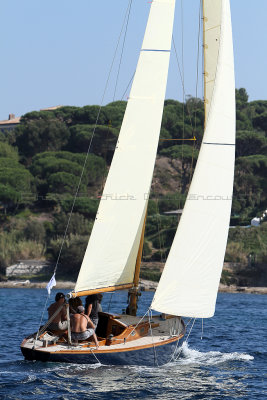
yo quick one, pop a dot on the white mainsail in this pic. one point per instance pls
(190, 279)
(113, 246)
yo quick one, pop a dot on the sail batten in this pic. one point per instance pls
(190, 280)
(112, 250)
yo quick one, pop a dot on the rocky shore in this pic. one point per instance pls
(144, 284)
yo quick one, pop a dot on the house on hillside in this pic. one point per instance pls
(10, 123)
(13, 121)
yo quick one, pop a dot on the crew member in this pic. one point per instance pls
(92, 308)
(59, 322)
(82, 327)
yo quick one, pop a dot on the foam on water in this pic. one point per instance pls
(191, 356)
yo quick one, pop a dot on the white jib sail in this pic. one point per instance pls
(113, 246)
(212, 15)
(190, 279)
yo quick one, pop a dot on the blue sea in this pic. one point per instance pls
(228, 360)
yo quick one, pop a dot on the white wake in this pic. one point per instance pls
(191, 356)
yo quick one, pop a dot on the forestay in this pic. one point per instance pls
(113, 246)
(190, 279)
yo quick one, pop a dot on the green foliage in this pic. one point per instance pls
(16, 183)
(164, 239)
(152, 207)
(18, 178)
(254, 238)
(150, 275)
(227, 278)
(235, 253)
(66, 114)
(241, 97)
(59, 172)
(49, 229)
(78, 225)
(24, 214)
(13, 248)
(244, 242)
(83, 205)
(44, 167)
(256, 164)
(160, 255)
(184, 153)
(243, 121)
(8, 151)
(155, 223)
(63, 182)
(103, 143)
(6, 162)
(146, 249)
(171, 202)
(2, 137)
(260, 122)
(88, 115)
(36, 134)
(114, 113)
(71, 256)
(258, 107)
(250, 143)
(35, 231)
(187, 155)
(8, 195)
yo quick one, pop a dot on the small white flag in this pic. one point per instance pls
(51, 284)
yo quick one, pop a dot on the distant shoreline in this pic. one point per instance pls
(145, 285)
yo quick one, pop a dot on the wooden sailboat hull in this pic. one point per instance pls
(143, 356)
(129, 348)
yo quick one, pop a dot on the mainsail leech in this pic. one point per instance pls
(111, 254)
(190, 279)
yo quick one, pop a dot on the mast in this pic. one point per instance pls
(134, 293)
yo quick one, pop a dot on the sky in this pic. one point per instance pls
(59, 52)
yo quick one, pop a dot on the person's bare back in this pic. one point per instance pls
(80, 322)
(60, 320)
(79, 326)
(61, 316)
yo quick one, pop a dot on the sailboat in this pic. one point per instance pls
(190, 279)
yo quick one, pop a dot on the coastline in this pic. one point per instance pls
(144, 284)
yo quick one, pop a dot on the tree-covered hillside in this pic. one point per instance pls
(41, 162)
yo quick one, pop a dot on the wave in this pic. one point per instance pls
(192, 356)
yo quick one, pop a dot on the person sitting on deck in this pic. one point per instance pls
(79, 323)
(59, 322)
(74, 303)
(100, 298)
(92, 308)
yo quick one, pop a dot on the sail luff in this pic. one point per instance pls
(190, 279)
(111, 253)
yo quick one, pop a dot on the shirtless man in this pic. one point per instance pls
(79, 324)
(60, 320)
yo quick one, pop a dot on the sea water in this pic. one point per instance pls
(226, 358)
